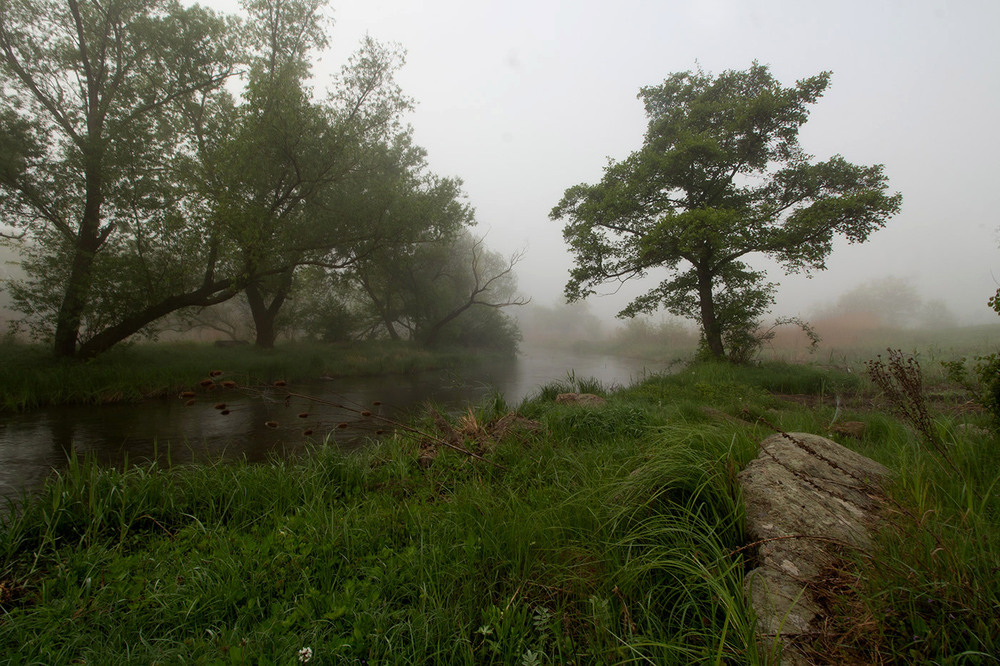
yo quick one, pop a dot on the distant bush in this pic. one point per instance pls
(984, 385)
(988, 371)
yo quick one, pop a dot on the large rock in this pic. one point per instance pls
(806, 496)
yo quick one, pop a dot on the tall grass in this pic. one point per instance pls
(934, 583)
(610, 535)
(599, 546)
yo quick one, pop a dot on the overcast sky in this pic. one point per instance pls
(524, 98)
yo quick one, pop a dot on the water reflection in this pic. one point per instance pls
(166, 430)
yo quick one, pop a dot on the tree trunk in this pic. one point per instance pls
(208, 294)
(390, 328)
(86, 244)
(431, 338)
(265, 316)
(70, 315)
(709, 324)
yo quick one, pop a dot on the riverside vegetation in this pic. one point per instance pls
(609, 535)
(30, 377)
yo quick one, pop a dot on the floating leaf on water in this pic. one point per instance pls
(205, 383)
(229, 384)
(281, 382)
(187, 394)
(221, 405)
(215, 373)
(304, 415)
(366, 413)
(376, 403)
(271, 424)
(307, 432)
(380, 432)
(189, 402)
(341, 425)
(224, 412)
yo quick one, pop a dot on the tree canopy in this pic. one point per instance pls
(720, 176)
(93, 108)
(137, 185)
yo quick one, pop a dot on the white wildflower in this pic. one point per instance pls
(305, 654)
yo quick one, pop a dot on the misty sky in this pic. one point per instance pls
(522, 99)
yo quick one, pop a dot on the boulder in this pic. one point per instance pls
(806, 498)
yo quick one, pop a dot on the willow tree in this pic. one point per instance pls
(285, 150)
(91, 117)
(720, 177)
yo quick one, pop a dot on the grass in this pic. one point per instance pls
(550, 554)
(30, 377)
(607, 536)
(848, 349)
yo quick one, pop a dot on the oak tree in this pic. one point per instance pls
(720, 177)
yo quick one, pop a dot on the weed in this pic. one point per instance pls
(901, 383)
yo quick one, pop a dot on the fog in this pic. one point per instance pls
(524, 99)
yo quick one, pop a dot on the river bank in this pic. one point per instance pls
(31, 378)
(258, 423)
(594, 535)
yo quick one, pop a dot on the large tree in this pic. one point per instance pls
(286, 150)
(91, 99)
(141, 187)
(720, 177)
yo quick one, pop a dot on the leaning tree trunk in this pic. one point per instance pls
(210, 293)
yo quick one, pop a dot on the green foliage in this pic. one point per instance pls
(143, 188)
(987, 370)
(279, 167)
(101, 131)
(484, 328)
(333, 323)
(442, 286)
(983, 383)
(720, 176)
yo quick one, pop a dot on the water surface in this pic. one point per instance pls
(265, 422)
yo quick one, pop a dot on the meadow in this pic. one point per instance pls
(562, 535)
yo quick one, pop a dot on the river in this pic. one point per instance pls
(262, 423)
